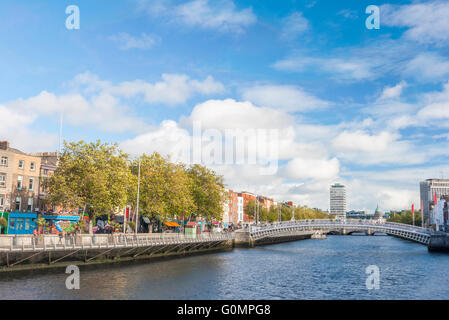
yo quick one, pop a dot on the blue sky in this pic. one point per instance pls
(367, 108)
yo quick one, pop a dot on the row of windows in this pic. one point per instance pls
(4, 163)
(18, 204)
(20, 183)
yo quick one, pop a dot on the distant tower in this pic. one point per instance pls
(338, 201)
(378, 214)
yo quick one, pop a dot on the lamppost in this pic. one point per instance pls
(138, 194)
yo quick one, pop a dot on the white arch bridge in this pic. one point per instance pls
(307, 227)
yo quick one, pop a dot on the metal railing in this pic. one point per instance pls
(103, 241)
(414, 233)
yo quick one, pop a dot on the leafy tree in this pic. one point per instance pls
(165, 188)
(91, 175)
(208, 192)
(405, 217)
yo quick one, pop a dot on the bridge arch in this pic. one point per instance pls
(303, 227)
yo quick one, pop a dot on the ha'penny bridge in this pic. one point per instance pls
(302, 228)
(25, 252)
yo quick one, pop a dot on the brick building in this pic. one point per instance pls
(19, 180)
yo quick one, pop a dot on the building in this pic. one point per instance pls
(19, 180)
(49, 164)
(247, 216)
(428, 189)
(359, 215)
(439, 215)
(337, 203)
(240, 209)
(233, 207)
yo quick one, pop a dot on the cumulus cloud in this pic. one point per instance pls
(231, 114)
(287, 98)
(293, 26)
(362, 141)
(173, 89)
(317, 169)
(393, 92)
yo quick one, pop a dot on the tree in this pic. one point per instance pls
(165, 188)
(91, 175)
(405, 217)
(208, 192)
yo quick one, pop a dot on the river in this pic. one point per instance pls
(310, 269)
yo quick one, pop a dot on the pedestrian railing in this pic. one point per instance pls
(102, 241)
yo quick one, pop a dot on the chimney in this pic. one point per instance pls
(4, 145)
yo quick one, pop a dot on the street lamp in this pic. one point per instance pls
(138, 194)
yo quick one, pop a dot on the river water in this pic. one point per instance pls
(310, 269)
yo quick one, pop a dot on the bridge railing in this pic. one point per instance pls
(328, 222)
(99, 241)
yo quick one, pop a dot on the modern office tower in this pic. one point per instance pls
(338, 201)
(428, 189)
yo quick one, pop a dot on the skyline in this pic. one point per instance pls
(365, 108)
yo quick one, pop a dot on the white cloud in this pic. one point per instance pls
(231, 114)
(172, 90)
(168, 140)
(294, 25)
(427, 67)
(348, 13)
(426, 22)
(126, 41)
(102, 110)
(221, 15)
(362, 141)
(287, 98)
(393, 92)
(317, 169)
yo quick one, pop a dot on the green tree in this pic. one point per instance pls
(91, 175)
(405, 217)
(165, 188)
(208, 192)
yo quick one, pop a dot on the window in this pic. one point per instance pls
(30, 204)
(21, 164)
(19, 182)
(46, 172)
(18, 203)
(2, 201)
(4, 161)
(2, 180)
(32, 166)
(31, 185)
(19, 223)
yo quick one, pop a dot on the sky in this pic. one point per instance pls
(368, 108)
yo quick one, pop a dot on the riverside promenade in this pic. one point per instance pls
(24, 252)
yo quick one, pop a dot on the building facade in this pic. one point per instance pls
(19, 180)
(337, 203)
(49, 164)
(428, 189)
